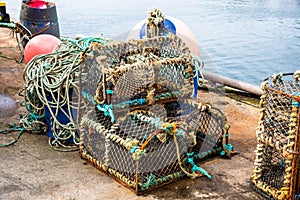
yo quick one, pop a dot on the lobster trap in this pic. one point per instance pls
(139, 123)
(276, 167)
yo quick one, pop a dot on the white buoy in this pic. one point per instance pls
(182, 30)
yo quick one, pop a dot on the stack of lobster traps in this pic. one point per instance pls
(139, 122)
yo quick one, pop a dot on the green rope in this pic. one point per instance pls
(89, 97)
(107, 110)
(151, 181)
(10, 25)
(109, 92)
(208, 153)
(196, 168)
(12, 128)
(143, 101)
(227, 147)
(80, 44)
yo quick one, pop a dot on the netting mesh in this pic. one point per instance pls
(139, 123)
(276, 171)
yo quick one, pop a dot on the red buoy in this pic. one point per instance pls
(38, 4)
(40, 44)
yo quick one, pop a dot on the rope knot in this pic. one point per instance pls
(296, 75)
(167, 128)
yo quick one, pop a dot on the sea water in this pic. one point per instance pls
(246, 40)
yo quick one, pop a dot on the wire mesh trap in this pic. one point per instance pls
(276, 167)
(138, 122)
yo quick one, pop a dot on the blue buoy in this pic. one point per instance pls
(167, 27)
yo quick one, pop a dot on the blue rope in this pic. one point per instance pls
(196, 86)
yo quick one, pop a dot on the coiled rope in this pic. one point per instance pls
(61, 77)
(49, 78)
(51, 83)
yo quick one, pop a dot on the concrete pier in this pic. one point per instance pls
(30, 169)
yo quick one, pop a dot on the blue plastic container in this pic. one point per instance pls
(61, 117)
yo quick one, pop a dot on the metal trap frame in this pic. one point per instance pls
(276, 167)
(138, 121)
